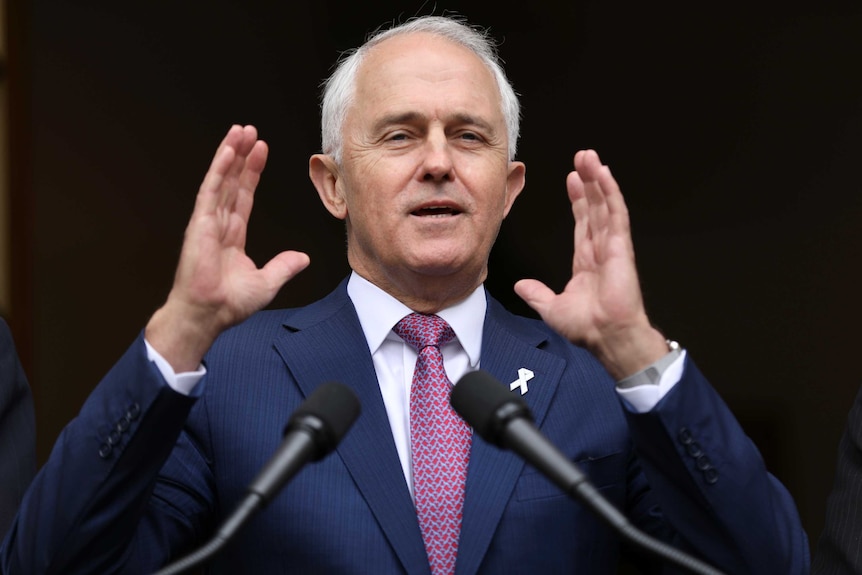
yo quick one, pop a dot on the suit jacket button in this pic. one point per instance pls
(703, 463)
(113, 438)
(685, 436)
(105, 451)
(133, 412)
(711, 475)
(694, 449)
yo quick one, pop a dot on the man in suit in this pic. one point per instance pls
(17, 430)
(839, 549)
(419, 132)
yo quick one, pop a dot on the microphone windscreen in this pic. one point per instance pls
(335, 406)
(479, 398)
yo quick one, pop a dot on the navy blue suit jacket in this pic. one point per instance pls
(17, 430)
(839, 549)
(144, 475)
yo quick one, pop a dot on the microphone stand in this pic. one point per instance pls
(506, 421)
(229, 528)
(557, 467)
(313, 431)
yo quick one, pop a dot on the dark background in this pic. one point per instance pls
(733, 129)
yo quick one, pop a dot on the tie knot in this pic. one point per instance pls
(420, 330)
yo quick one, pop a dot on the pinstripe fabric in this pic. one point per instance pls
(839, 549)
(351, 513)
(17, 430)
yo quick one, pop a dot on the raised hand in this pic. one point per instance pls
(216, 284)
(601, 306)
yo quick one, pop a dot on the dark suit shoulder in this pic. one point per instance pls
(17, 430)
(838, 549)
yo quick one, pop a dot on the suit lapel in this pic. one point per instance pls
(326, 343)
(493, 472)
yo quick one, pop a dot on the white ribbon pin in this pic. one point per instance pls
(524, 375)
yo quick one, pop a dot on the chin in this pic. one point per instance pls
(439, 267)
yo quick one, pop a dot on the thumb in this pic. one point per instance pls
(283, 267)
(536, 294)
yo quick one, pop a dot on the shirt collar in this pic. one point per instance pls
(379, 312)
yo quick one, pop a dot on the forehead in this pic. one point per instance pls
(424, 68)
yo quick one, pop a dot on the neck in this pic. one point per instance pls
(424, 293)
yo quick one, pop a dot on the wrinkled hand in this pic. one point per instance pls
(216, 284)
(601, 306)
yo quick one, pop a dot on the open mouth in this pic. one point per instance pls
(436, 211)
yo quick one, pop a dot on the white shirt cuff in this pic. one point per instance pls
(644, 397)
(180, 382)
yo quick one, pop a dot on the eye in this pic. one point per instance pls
(470, 137)
(397, 137)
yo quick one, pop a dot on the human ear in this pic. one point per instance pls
(514, 184)
(324, 173)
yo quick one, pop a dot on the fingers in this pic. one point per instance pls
(597, 202)
(222, 161)
(234, 172)
(581, 212)
(244, 143)
(588, 169)
(600, 188)
(249, 178)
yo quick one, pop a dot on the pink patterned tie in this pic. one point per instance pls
(439, 440)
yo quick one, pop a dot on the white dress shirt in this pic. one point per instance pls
(394, 360)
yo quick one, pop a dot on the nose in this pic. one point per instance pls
(437, 161)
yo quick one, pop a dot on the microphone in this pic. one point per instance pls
(504, 420)
(312, 432)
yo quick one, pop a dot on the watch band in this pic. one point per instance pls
(651, 375)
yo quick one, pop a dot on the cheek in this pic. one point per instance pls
(357, 198)
(371, 217)
(494, 203)
(488, 180)
(376, 188)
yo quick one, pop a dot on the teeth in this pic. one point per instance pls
(438, 211)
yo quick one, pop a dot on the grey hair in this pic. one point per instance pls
(339, 89)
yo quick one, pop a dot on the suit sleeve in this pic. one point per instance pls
(712, 484)
(106, 500)
(17, 430)
(839, 550)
